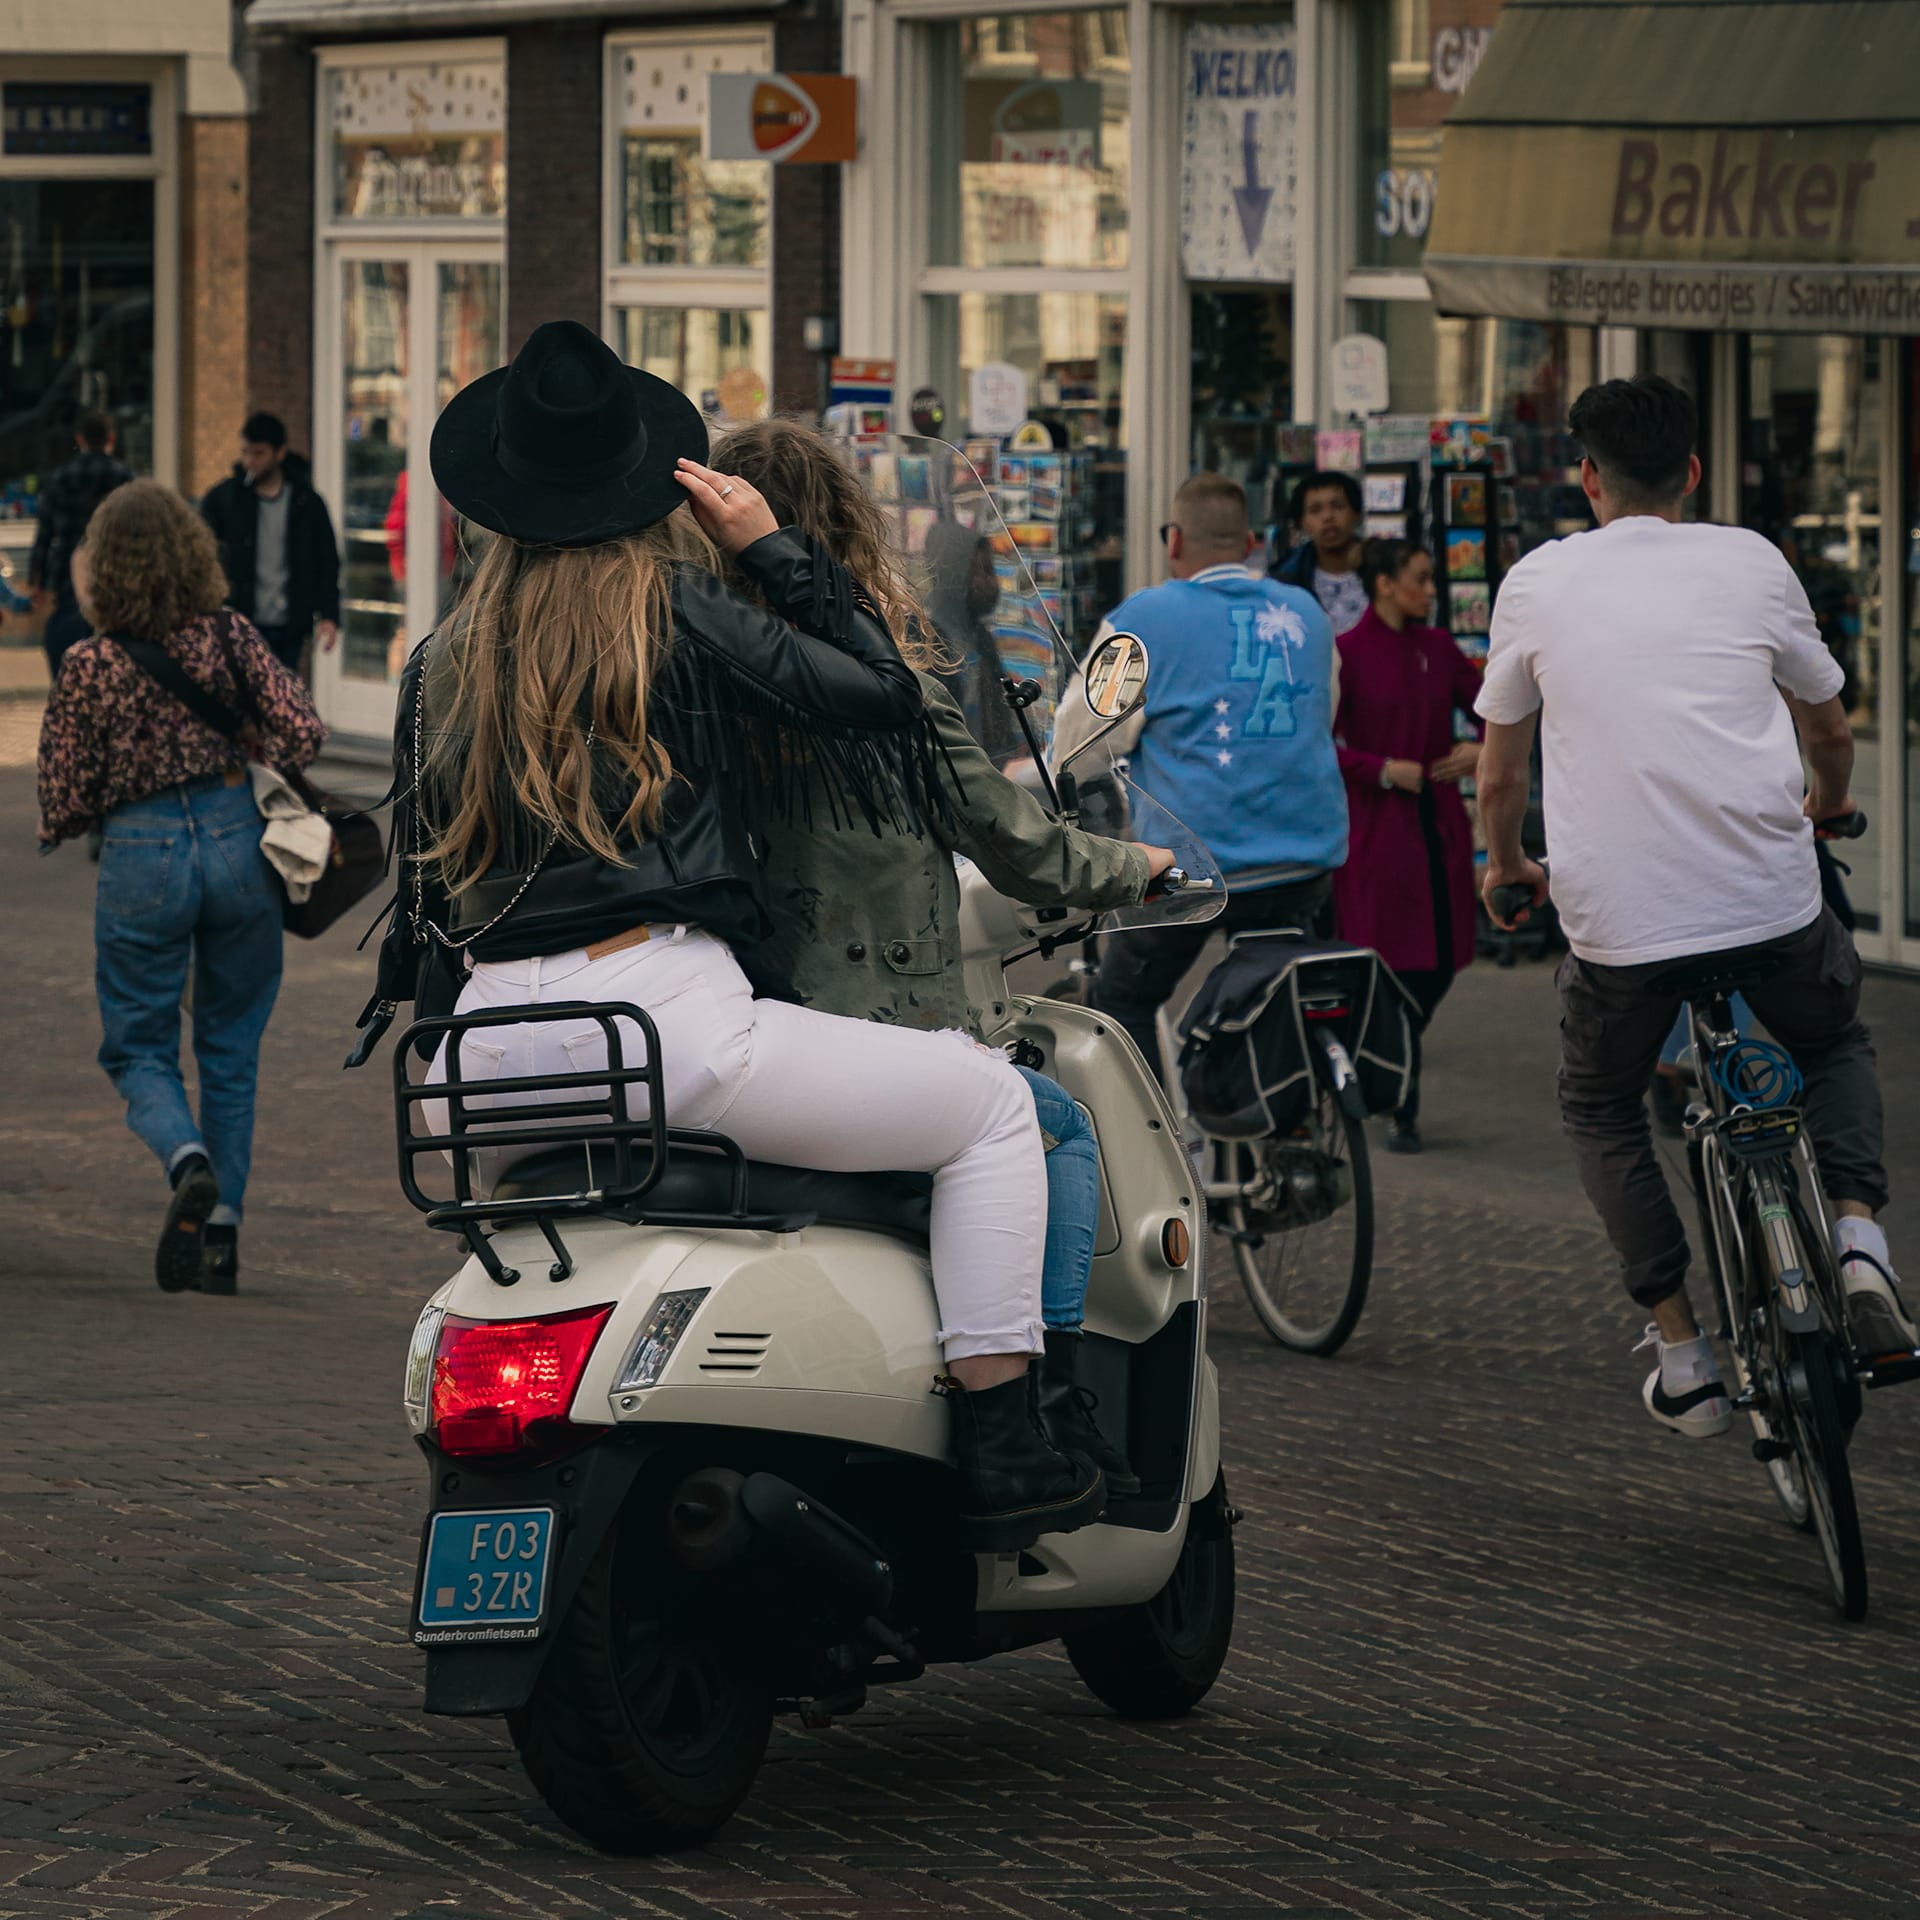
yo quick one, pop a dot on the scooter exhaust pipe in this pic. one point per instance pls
(719, 1520)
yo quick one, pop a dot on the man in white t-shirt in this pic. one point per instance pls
(1670, 666)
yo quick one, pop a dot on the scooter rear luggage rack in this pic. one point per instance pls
(641, 1150)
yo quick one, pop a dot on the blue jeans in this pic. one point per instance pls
(182, 877)
(1073, 1200)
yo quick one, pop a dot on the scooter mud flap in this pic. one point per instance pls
(584, 1492)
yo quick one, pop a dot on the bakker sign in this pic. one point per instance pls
(1814, 230)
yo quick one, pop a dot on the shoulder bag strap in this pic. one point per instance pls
(167, 672)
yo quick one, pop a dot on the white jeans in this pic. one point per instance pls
(810, 1090)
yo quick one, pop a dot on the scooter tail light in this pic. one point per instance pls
(503, 1387)
(672, 1315)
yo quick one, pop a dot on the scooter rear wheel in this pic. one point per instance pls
(1158, 1660)
(646, 1727)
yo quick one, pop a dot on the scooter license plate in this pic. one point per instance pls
(483, 1575)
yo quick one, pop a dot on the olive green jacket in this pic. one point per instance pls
(870, 926)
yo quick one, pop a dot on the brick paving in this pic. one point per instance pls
(1503, 1650)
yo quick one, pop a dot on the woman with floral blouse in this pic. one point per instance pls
(182, 877)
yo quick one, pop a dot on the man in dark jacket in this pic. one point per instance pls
(276, 543)
(67, 502)
(1326, 510)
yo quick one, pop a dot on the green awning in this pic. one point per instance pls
(1688, 163)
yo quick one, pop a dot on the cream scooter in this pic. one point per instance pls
(686, 1466)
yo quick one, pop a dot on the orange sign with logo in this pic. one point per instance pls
(803, 119)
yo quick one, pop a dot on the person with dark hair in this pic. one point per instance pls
(1407, 887)
(1235, 738)
(67, 503)
(1670, 666)
(1326, 509)
(276, 544)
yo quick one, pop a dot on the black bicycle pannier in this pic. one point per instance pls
(1253, 1039)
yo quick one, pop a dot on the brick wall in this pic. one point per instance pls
(554, 174)
(280, 241)
(213, 333)
(806, 221)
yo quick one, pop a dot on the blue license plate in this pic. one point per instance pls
(483, 1575)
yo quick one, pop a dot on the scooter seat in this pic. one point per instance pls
(702, 1183)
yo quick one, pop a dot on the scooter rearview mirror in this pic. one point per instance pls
(1116, 676)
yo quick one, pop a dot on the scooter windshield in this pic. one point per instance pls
(992, 591)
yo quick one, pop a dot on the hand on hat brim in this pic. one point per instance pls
(732, 514)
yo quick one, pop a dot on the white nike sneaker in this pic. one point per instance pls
(1875, 1311)
(1694, 1401)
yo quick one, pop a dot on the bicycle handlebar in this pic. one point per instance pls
(1842, 826)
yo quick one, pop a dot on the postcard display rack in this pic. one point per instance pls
(918, 491)
(1046, 497)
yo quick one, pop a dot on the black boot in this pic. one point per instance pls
(1068, 1409)
(176, 1261)
(220, 1259)
(1019, 1485)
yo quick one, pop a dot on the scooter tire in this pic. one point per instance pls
(1158, 1660)
(641, 1758)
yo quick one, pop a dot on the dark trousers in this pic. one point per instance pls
(1613, 1023)
(1428, 988)
(1139, 970)
(66, 626)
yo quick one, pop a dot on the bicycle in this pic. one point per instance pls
(1767, 1238)
(1276, 1196)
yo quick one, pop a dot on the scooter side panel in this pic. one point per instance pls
(1096, 1567)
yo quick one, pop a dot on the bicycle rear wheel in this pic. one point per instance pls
(1302, 1227)
(1811, 1393)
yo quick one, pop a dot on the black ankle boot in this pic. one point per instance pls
(220, 1259)
(1068, 1409)
(176, 1261)
(1019, 1485)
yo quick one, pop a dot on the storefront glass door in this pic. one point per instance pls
(412, 326)
(1812, 407)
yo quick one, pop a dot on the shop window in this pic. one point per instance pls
(1242, 383)
(1687, 360)
(1415, 63)
(1810, 409)
(1072, 349)
(678, 209)
(1029, 140)
(1520, 377)
(76, 305)
(720, 357)
(419, 139)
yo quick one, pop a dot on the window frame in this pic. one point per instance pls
(631, 284)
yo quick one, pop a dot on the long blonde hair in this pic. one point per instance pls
(551, 659)
(808, 485)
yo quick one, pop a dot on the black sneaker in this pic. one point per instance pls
(1403, 1136)
(176, 1261)
(220, 1260)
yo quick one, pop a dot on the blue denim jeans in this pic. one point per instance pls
(183, 880)
(1073, 1200)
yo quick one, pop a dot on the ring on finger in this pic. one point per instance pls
(724, 491)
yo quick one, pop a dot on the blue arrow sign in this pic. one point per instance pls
(1252, 200)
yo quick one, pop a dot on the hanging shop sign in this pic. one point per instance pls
(1238, 183)
(798, 119)
(996, 398)
(1358, 364)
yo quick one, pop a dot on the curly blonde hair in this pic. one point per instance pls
(152, 564)
(803, 478)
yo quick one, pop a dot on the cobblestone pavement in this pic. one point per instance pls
(1503, 1650)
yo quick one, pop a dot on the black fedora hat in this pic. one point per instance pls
(567, 446)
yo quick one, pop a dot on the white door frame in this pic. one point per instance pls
(357, 708)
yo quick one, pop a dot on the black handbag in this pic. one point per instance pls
(359, 855)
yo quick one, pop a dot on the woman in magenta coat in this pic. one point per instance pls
(1407, 887)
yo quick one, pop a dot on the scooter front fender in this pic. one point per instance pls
(586, 1492)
